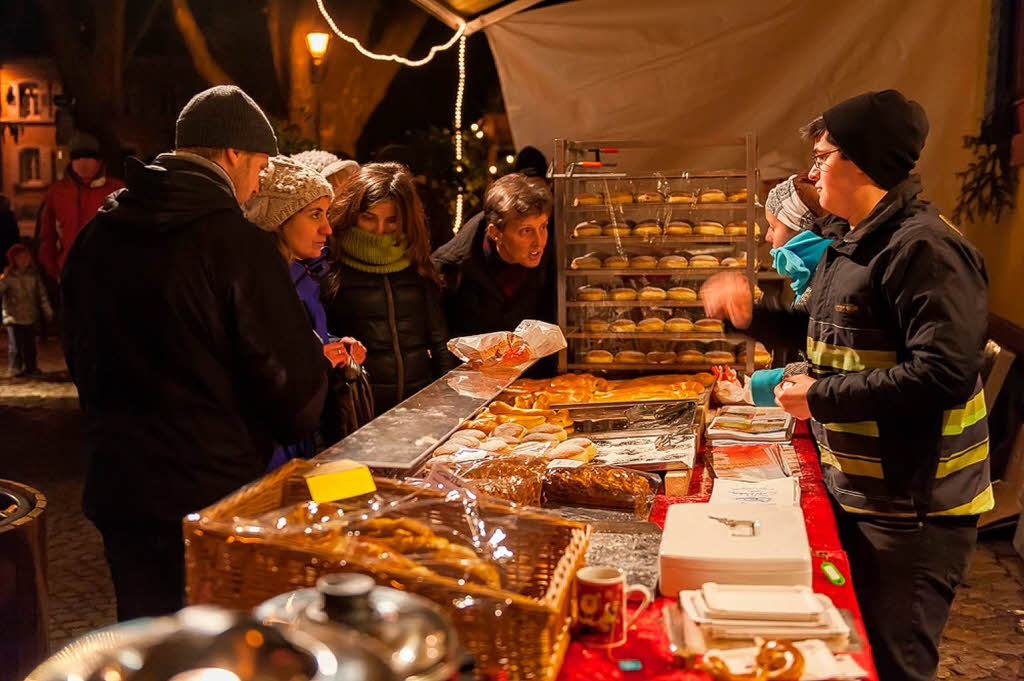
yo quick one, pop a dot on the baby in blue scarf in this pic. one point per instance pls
(795, 254)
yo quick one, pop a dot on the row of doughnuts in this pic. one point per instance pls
(689, 357)
(712, 195)
(672, 261)
(653, 227)
(653, 324)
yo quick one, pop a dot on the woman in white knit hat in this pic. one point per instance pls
(292, 204)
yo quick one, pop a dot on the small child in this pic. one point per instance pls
(24, 301)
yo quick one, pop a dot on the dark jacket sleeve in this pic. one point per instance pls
(937, 289)
(779, 327)
(277, 352)
(441, 360)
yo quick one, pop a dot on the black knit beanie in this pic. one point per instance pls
(224, 117)
(84, 145)
(882, 132)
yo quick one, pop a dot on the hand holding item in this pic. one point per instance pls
(356, 349)
(791, 395)
(600, 605)
(727, 296)
(336, 353)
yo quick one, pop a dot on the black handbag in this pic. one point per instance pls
(349, 402)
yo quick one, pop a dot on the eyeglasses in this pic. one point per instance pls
(818, 160)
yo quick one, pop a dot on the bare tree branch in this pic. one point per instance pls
(205, 64)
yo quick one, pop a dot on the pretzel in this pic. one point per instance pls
(775, 661)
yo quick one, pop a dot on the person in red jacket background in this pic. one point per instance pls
(72, 201)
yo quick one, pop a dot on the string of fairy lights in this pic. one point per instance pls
(458, 37)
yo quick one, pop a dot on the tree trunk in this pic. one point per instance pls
(94, 77)
(195, 41)
(351, 84)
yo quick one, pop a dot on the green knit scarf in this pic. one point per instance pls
(374, 253)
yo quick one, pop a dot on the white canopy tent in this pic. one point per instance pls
(659, 69)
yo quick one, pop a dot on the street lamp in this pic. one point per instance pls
(317, 44)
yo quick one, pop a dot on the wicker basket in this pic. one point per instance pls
(519, 632)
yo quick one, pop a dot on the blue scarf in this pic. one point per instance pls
(798, 258)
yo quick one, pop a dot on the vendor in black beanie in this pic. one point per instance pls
(898, 316)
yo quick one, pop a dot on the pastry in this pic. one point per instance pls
(682, 293)
(643, 262)
(736, 228)
(548, 429)
(496, 445)
(540, 437)
(577, 449)
(741, 195)
(466, 440)
(690, 356)
(720, 357)
(681, 197)
(649, 197)
(590, 261)
(732, 262)
(616, 262)
(472, 432)
(596, 325)
(661, 357)
(623, 294)
(599, 486)
(679, 227)
(651, 325)
(588, 199)
(587, 228)
(449, 448)
(679, 325)
(616, 229)
(624, 325)
(513, 430)
(652, 293)
(672, 262)
(708, 326)
(598, 357)
(629, 357)
(591, 293)
(712, 196)
(709, 228)
(703, 261)
(620, 197)
(647, 228)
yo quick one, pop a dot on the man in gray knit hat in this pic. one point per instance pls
(192, 354)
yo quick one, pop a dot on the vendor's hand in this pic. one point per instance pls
(791, 395)
(336, 353)
(727, 296)
(355, 348)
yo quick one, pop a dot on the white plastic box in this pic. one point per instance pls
(721, 543)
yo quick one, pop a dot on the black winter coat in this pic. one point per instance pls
(398, 317)
(190, 349)
(474, 302)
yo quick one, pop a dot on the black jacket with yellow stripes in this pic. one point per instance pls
(897, 328)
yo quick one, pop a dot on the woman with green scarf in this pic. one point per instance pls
(382, 287)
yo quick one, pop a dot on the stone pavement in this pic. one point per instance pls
(40, 427)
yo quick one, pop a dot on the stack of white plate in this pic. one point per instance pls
(740, 612)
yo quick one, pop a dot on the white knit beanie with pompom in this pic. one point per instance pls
(286, 187)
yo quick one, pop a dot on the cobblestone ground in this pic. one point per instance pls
(40, 428)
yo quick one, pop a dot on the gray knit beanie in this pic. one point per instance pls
(286, 187)
(224, 117)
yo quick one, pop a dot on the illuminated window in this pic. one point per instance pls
(29, 166)
(28, 100)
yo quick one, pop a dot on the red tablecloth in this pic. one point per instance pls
(647, 640)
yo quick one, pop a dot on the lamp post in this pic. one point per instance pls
(317, 44)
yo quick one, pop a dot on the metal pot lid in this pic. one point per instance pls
(203, 643)
(419, 639)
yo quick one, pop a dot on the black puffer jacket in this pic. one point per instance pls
(398, 317)
(474, 301)
(191, 352)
